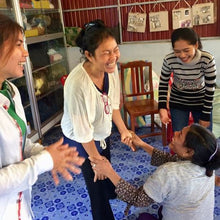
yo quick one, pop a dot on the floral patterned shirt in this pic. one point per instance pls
(137, 196)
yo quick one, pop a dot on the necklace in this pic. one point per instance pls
(99, 82)
(97, 79)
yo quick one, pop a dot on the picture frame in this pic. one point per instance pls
(203, 13)
(182, 17)
(137, 21)
(158, 21)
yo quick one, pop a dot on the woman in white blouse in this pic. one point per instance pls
(21, 161)
(91, 103)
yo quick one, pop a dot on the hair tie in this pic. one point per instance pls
(89, 25)
(214, 153)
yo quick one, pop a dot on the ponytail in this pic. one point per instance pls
(205, 147)
(213, 163)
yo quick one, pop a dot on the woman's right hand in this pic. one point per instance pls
(98, 175)
(126, 138)
(92, 151)
(65, 159)
(103, 166)
(137, 141)
(164, 117)
(100, 166)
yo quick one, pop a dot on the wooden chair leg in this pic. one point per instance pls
(132, 122)
(126, 118)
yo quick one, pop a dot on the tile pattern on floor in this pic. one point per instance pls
(69, 200)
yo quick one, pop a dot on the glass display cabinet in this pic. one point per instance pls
(40, 87)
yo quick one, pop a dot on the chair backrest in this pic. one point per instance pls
(136, 78)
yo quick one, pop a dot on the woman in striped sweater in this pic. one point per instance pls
(193, 87)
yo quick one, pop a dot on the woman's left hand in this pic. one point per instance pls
(126, 138)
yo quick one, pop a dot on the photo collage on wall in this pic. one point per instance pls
(203, 13)
(198, 14)
(158, 21)
(182, 17)
(137, 21)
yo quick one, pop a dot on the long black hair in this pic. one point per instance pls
(187, 34)
(92, 35)
(205, 146)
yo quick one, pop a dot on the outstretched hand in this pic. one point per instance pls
(101, 166)
(126, 138)
(98, 175)
(104, 167)
(65, 160)
(136, 141)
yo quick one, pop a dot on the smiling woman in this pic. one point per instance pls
(21, 161)
(13, 67)
(14, 55)
(183, 183)
(91, 102)
(194, 74)
(185, 51)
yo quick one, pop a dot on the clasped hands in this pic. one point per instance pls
(65, 160)
(96, 163)
(102, 167)
(127, 138)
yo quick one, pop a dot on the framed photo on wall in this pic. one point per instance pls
(182, 17)
(136, 22)
(158, 21)
(203, 13)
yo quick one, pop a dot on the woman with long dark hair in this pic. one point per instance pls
(91, 103)
(183, 183)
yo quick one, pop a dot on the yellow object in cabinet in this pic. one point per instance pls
(3, 4)
(41, 4)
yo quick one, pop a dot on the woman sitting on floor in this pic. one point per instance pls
(184, 186)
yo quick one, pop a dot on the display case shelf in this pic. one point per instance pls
(33, 11)
(27, 106)
(40, 88)
(42, 38)
(50, 123)
(47, 66)
(51, 90)
(7, 10)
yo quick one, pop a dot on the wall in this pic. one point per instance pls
(76, 13)
(213, 47)
(153, 52)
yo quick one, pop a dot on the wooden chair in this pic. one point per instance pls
(142, 95)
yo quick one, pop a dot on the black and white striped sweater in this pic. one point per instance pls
(193, 83)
